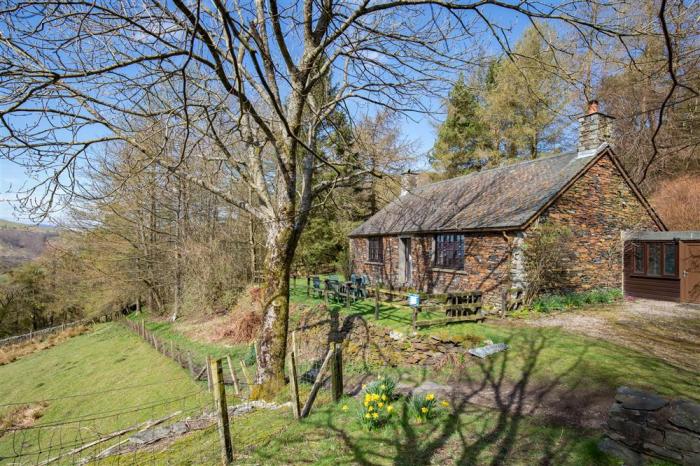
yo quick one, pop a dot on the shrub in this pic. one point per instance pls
(556, 302)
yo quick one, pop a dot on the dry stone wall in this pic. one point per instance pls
(644, 425)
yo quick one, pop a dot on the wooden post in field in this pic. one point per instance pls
(236, 389)
(189, 363)
(376, 302)
(337, 372)
(294, 385)
(317, 385)
(217, 376)
(247, 377)
(209, 376)
(294, 342)
(308, 286)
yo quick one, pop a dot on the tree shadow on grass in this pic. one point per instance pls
(469, 432)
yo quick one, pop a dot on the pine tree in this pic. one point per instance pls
(462, 136)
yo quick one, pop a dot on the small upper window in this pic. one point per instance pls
(670, 258)
(654, 259)
(374, 247)
(449, 251)
(638, 258)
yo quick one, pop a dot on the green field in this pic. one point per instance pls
(90, 385)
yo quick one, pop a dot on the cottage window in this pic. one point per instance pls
(374, 248)
(654, 259)
(449, 251)
(670, 258)
(638, 258)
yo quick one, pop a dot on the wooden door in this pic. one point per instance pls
(405, 262)
(690, 271)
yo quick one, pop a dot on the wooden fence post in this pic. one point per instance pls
(189, 363)
(317, 385)
(376, 302)
(245, 374)
(337, 372)
(217, 377)
(236, 389)
(294, 385)
(209, 376)
(308, 286)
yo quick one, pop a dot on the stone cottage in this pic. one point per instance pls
(468, 233)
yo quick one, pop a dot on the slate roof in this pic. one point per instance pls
(500, 198)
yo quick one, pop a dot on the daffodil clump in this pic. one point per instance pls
(377, 403)
(427, 406)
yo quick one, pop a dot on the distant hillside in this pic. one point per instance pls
(21, 243)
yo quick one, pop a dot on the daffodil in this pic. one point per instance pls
(375, 415)
(366, 403)
(382, 387)
(380, 404)
(424, 410)
(383, 397)
(368, 416)
(375, 397)
(446, 404)
(345, 408)
(370, 408)
(430, 397)
(389, 409)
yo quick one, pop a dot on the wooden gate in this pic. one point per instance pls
(690, 271)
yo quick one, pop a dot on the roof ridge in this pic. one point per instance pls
(492, 169)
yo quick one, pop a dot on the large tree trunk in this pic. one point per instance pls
(272, 348)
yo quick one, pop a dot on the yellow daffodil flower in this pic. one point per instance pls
(424, 410)
(446, 404)
(368, 416)
(430, 397)
(345, 408)
(382, 387)
(375, 397)
(383, 397)
(366, 403)
(380, 404)
(375, 415)
(389, 409)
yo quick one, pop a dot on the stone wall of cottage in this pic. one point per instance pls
(596, 208)
(487, 265)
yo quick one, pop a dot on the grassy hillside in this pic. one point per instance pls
(90, 385)
(20, 243)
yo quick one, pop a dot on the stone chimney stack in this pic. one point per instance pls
(595, 128)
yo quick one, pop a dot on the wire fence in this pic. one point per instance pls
(107, 436)
(17, 339)
(154, 429)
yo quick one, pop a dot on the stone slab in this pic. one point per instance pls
(488, 350)
(686, 414)
(639, 400)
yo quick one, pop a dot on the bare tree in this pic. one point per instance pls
(236, 84)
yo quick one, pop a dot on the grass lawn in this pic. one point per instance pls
(92, 384)
(470, 435)
(542, 355)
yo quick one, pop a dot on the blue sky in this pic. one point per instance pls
(419, 128)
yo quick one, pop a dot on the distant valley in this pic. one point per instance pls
(21, 243)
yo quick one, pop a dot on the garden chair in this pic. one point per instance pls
(316, 291)
(333, 289)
